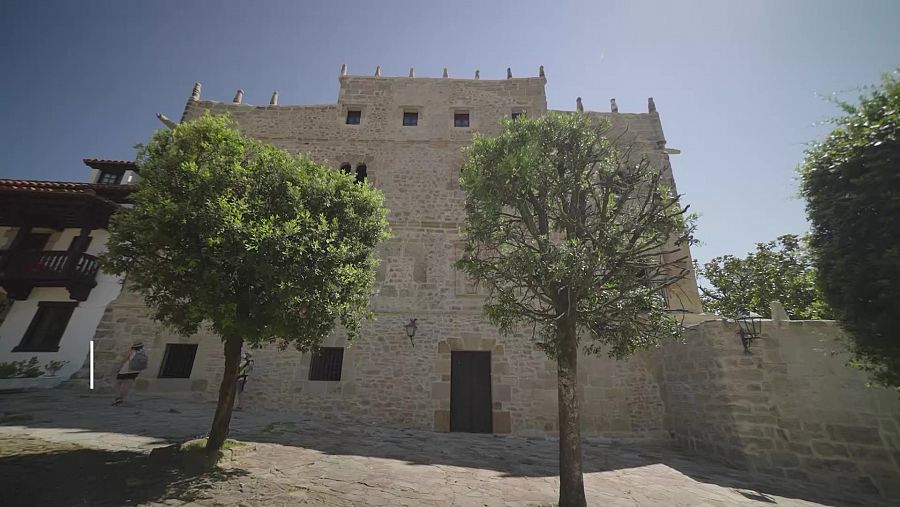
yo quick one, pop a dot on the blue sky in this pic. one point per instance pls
(738, 84)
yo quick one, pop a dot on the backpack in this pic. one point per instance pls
(138, 362)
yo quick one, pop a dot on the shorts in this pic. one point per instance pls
(242, 381)
(127, 376)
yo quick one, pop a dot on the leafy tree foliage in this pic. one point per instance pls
(575, 241)
(780, 270)
(851, 182)
(262, 245)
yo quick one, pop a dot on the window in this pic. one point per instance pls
(353, 117)
(109, 178)
(461, 119)
(517, 114)
(47, 327)
(361, 173)
(410, 118)
(346, 168)
(326, 364)
(178, 360)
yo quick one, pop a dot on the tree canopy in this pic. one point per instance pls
(780, 270)
(576, 240)
(851, 182)
(262, 245)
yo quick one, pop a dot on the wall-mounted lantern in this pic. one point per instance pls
(410, 328)
(749, 327)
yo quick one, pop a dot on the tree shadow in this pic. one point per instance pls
(510, 456)
(536, 457)
(91, 477)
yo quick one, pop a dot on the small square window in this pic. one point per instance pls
(47, 327)
(326, 364)
(353, 117)
(461, 119)
(109, 178)
(362, 172)
(518, 114)
(178, 360)
(410, 118)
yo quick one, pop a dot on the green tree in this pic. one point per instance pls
(261, 245)
(780, 270)
(569, 235)
(851, 182)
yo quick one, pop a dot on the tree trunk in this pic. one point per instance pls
(571, 479)
(219, 431)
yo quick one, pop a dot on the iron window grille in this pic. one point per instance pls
(326, 364)
(178, 360)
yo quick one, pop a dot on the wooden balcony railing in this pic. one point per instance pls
(23, 270)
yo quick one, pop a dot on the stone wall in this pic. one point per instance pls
(791, 409)
(384, 378)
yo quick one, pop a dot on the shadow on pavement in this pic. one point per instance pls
(91, 477)
(159, 419)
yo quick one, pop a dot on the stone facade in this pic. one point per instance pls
(384, 378)
(790, 409)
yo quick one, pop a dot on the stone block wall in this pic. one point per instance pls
(386, 379)
(791, 409)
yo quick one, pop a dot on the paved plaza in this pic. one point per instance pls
(95, 454)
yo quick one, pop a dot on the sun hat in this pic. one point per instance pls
(138, 345)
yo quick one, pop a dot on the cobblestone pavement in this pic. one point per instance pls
(97, 455)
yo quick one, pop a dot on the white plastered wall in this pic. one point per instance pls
(75, 342)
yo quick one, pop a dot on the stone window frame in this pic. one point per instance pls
(410, 110)
(363, 116)
(501, 390)
(516, 112)
(462, 110)
(353, 160)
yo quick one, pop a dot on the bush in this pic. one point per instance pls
(21, 369)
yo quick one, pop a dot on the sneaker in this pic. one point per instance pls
(117, 402)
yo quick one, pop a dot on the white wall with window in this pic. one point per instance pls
(50, 325)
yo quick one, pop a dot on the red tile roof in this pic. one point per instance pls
(115, 193)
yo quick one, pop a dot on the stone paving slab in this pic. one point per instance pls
(296, 460)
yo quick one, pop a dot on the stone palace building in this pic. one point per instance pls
(405, 136)
(790, 409)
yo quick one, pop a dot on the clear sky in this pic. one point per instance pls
(738, 84)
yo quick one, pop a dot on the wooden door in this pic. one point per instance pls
(470, 392)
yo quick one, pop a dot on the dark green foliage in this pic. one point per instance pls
(780, 270)
(21, 369)
(576, 241)
(851, 182)
(561, 224)
(261, 244)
